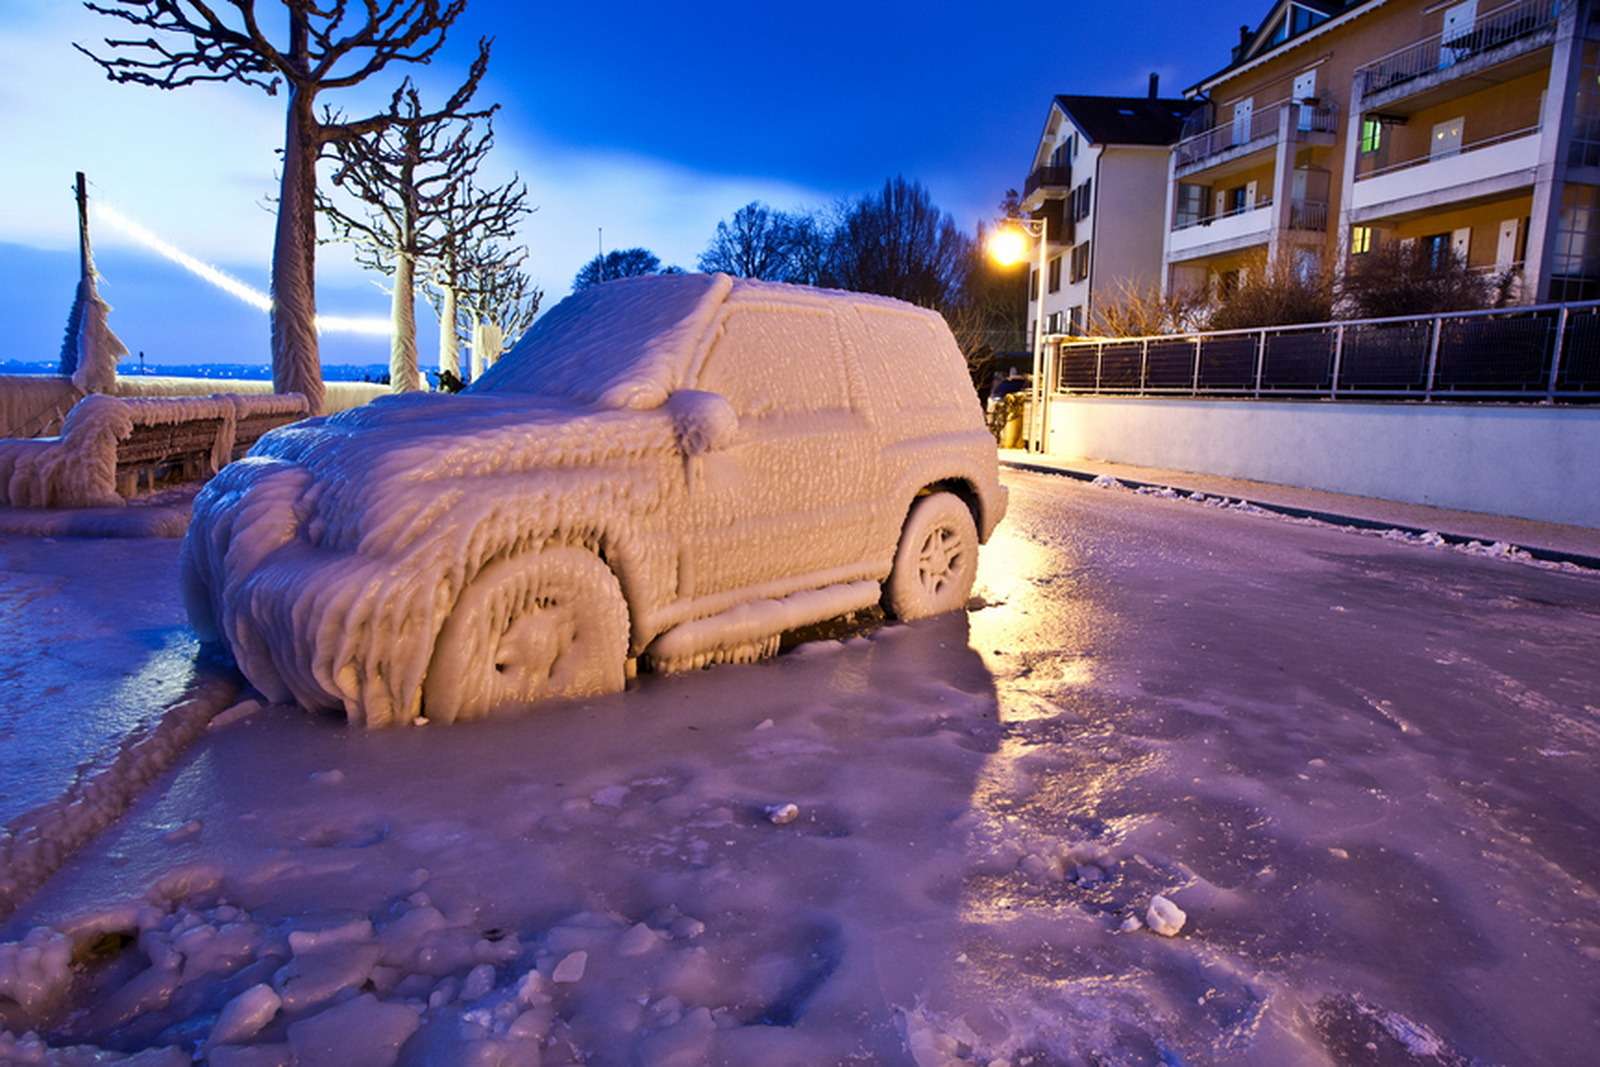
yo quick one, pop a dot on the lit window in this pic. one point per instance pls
(1371, 136)
(1360, 240)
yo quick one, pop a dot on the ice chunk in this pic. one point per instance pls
(245, 1015)
(363, 1032)
(637, 941)
(250, 1056)
(318, 976)
(571, 967)
(34, 971)
(783, 814)
(1165, 917)
(303, 941)
(478, 982)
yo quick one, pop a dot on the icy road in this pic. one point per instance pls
(1365, 771)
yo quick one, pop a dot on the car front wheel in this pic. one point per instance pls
(937, 560)
(529, 628)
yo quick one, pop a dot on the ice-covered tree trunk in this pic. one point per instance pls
(296, 363)
(493, 341)
(403, 374)
(449, 348)
(478, 341)
(98, 349)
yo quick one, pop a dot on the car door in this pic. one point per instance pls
(784, 506)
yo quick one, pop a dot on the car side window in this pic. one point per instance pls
(777, 361)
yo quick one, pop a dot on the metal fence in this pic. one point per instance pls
(1547, 353)
(1494, 29)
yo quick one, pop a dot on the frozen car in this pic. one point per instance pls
(671, 469)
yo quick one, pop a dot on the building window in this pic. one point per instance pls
(1437, 248)
(1371, 136)
(1227, 283)
(1191, 204)
(1075, 319)
(1080, 261)
(1238, 199)
(1055, 274)
(1360, 240)
(1080, 200)
(1033, 284)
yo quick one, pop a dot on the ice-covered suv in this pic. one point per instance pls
(675, 468)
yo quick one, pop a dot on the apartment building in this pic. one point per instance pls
(1339, 125)
(1099, 168)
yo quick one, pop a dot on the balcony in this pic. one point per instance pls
(1048, 180)
(1239, 228)
(1484, 168)
(1232, 140)
(1495, 37)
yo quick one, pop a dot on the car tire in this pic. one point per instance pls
(529, 628)
(937, 560)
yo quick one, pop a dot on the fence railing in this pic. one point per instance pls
(1494, 29)
(1549, 352)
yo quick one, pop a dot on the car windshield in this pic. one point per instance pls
(620, 344)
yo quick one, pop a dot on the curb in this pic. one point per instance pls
(1333, 518)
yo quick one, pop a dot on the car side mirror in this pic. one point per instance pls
(704, 422)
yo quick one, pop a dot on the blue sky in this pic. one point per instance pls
(639, 119)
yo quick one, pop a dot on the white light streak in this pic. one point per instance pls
(370, 325)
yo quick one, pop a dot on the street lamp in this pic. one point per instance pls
(1008, 246)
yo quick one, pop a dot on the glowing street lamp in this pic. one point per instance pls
(1008, 246)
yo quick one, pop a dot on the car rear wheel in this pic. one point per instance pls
(553, 624)
(937, 559)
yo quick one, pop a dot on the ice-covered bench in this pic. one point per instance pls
(109, 445)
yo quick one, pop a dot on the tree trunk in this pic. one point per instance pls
(479, 365)
(449, 350)
(403, 376)
(296, 363)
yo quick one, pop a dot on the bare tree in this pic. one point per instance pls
(327, 47)
(1409, 278)
(1130, 310)
(898, 243)
(415, 179)
(758, 242)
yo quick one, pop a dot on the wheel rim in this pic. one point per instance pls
(940, 559)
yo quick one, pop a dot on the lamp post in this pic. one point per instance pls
(1008, 246)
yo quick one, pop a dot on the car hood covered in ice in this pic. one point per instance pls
(357, 467)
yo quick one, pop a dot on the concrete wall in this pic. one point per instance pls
(1523, 460)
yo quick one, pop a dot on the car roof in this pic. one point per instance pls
(629, 343)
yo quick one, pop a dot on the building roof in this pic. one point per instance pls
(1277, 32)
(1133, 120)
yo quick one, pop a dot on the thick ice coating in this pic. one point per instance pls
(663, 467)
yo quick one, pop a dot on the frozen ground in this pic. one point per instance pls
(1363, 770)
(96, 643)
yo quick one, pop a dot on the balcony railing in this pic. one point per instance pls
(1261, 127)
(1471, 146)
(1308, 215)
(1548, 353)
(1047, 178)
(1184, 223)
(1516, 21)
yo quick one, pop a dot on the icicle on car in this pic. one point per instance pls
(678, 468)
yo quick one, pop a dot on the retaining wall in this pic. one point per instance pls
(1531, 461)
